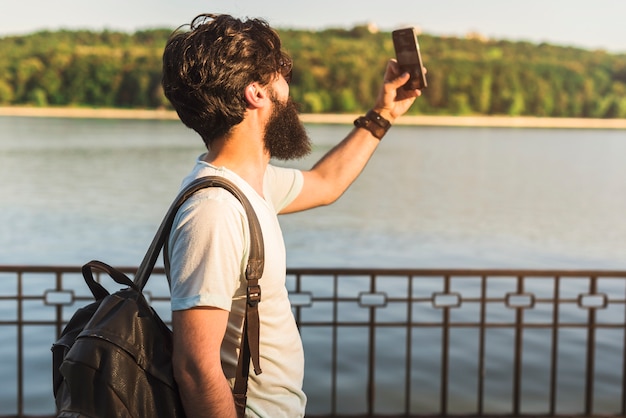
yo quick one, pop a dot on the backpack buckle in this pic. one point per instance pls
(254, 295)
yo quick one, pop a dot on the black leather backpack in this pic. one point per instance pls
(114, 357)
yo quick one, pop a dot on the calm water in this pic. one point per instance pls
(74, 190)
(71, 190)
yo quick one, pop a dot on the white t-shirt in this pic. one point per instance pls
(208, 251)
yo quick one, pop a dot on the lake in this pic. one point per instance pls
(72, 190)
(77, 189)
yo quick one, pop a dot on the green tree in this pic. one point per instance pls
(26, 72)
(336, 70)
(6, 92)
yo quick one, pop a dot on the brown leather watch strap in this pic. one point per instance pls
(373, 122)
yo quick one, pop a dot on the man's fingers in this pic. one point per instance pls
(400, 80)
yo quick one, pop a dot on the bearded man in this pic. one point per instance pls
(228, 79)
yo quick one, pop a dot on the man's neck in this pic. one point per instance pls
(244, 153)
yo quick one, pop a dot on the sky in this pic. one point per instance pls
(590, 24)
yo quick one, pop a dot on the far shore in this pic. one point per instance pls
(413, 120)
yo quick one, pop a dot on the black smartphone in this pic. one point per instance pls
(409, 57)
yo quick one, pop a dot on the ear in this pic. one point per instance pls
(256, 95)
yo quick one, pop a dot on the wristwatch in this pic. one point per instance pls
(373, 122)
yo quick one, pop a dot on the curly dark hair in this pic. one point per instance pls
(207, 68)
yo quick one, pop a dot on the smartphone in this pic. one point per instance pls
(409, 57)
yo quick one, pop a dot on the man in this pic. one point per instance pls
(228, 80)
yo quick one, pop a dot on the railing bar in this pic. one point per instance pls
(445, 352)
(389, 300)
(356, 324)
(298, 289)
(59, 308)
(481, 347)
(333, 382)
(457, 273)
(590, 352)
(409, 342)
(555, 344)
(623, 400)
(20, 346)
(380, 325)
(371, 372)
(519, 319)
(414, 325)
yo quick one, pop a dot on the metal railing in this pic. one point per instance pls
(382, 342)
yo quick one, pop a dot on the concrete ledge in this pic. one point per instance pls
(344, 119)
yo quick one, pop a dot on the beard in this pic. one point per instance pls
(285, 137)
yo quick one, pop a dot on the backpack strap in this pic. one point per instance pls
(97, 290)
(249, 348)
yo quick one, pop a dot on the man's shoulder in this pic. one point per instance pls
(283, 185)
(213, 201)
(280, 171)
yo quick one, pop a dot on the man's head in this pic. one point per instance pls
(207, 68)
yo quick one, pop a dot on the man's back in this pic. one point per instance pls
(208, 249)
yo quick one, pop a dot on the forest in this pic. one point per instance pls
(335, 71)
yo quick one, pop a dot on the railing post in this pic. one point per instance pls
(555, 343)
(481, 346)
(20, 345)
(371, 363)
(335, 349)
(517, 372)
(445, 351)
(591, 333)
(623, 400)
(409, 339)
(59, 307)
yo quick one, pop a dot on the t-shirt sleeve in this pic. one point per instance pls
(205, 251)
(282, 185)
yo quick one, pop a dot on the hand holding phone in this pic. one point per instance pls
(409, 57)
